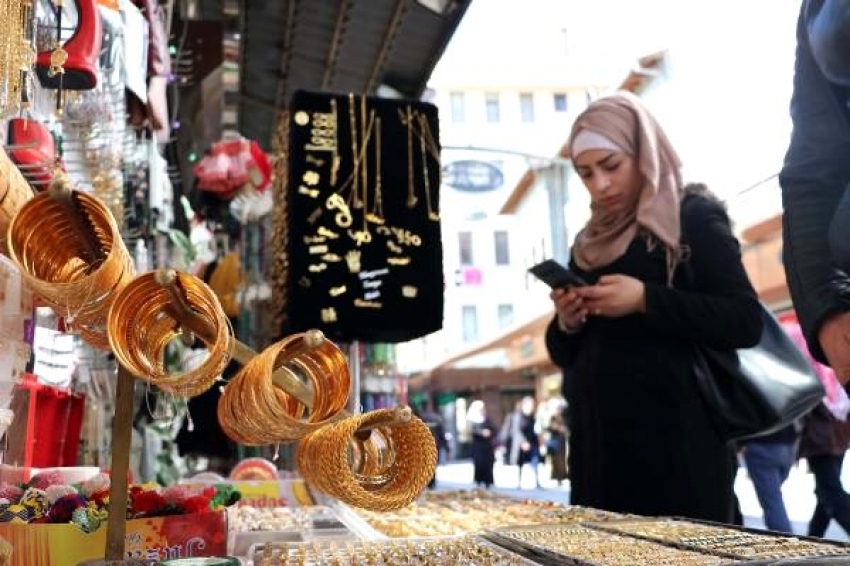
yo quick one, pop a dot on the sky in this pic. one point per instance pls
(725, 104)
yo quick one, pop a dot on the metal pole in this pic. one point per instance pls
(354, 364)
(556, 188)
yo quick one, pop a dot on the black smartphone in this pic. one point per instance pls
(556, 275)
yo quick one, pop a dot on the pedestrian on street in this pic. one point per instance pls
(520, 435)
(769, 461)
(483, 440)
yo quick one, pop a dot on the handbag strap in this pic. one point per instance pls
(685, 263)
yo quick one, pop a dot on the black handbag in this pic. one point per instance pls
(752, 392)
(755, 391)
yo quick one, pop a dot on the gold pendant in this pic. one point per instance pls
(409, 291)
(58, 58)
(352, 259)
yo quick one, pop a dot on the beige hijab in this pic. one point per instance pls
(622, 119)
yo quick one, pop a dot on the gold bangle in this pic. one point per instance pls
(323, 460)
(76, 274)
(142, 322)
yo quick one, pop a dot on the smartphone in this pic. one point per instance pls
(556, 275)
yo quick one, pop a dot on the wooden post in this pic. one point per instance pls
(122, 431)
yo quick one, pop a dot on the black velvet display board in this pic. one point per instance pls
(363, 227)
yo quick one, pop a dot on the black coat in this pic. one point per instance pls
(815, 178)
(483, 451)
(641, 440)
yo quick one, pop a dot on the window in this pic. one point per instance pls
(500, 239)
(457, 103)
(491, 100)
(560, 102)
(470, 323)
(465, 242)
(506, 316)
(526, 107)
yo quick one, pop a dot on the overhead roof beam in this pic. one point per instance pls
(286, 60)
(333, 50)
(401, 7)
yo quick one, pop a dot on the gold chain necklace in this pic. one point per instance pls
(377, 214)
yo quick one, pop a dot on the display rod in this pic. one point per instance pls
(122, 431)
(354, 365)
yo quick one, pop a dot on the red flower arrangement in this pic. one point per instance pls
(146, 503)
(64, 507)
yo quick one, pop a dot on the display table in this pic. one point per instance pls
(479, 528)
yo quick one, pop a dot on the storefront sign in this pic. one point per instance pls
(473, 176)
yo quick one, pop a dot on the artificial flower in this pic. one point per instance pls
(54, 492)
(11, 492)
(145, 503)
(43, 480)
(96, 483)
(63, 509)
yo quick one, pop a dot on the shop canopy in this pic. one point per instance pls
(508, 360)
(336, 45)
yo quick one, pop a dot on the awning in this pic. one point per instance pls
(524, 356)
(514, 341)
(336, 45)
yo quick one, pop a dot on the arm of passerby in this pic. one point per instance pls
(814, 179)
(719, 307)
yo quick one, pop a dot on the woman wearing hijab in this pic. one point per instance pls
(665, 272)
(483, 452)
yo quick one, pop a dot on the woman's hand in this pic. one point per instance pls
(614, 296)
(570, 308)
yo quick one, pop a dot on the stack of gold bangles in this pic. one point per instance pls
(71, 254)
(14, 193)
(143, 320)
(381, 460)
(253, 411)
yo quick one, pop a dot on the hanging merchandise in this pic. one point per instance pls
(14, 192)
(16, 56)
(230, 165)
(55, 357)
(135, 38)
(32, 148)
(363, 241)
(72, 64)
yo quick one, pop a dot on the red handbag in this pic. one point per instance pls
(33, 149)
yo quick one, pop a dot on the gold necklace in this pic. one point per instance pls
(426, 134)
(407, 120)
(377, 214)
(355, 161)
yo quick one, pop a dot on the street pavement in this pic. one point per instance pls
(798, 491)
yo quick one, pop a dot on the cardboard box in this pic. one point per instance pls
(157, 538)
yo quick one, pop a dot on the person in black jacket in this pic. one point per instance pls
(641, 439)
(815, 177)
